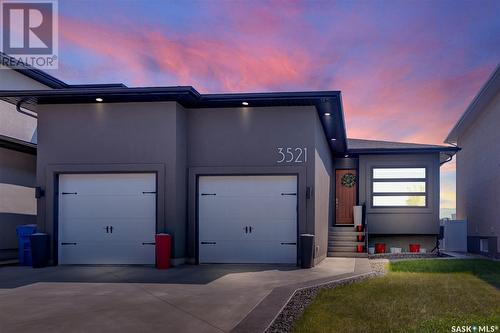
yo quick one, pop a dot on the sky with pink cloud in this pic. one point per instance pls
(406, 69)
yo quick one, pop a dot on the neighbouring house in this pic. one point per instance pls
(477, 133)
(234, 178)
(17, 156)
(17, 191)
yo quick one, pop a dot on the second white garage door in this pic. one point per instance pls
(247, 219)
(107, 218)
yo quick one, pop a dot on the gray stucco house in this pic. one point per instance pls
(478, 168)
(234, 178)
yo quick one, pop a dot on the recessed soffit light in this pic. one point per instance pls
(99, 99)
(244, 103)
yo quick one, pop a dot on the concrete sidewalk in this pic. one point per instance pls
(204, 298)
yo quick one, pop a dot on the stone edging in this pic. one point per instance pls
(301, 298)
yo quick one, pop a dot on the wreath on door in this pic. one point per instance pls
(348, 180)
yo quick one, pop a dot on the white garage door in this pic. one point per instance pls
(247, 219)
(107, 218)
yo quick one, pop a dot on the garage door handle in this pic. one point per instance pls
(149, 243)
(288, 193)
(290, 243)
(209, 243)
(203, 194)
(63, 243)
(64, 193)
(149, 192)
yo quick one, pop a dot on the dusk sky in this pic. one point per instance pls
(406, 69)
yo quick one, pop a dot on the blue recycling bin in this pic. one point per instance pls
(23, 236)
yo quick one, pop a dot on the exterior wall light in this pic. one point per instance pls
(346, 156)
(244, 103)
(328, 114)
(333, 139)
(98, 99)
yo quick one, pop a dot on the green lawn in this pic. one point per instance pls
(414, 296)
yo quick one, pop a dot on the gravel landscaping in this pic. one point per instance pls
(303, 297)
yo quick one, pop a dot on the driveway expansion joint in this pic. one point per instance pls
(138, 286)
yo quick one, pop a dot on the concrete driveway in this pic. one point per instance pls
(204, 298)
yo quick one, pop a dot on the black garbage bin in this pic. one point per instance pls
(40, 246)
(306, 250)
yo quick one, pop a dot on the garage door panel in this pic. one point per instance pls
(211, 229)
(248, 252)
(107, 184)
(141, 230)
(82, 229)
(277, 230)
(247, 185)
(267, 229)
(107, 200)
(107, 206)
(257, 208)
(96, 253)
(78, 229)
(267, 204)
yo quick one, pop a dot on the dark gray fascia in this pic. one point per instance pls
(325, 102)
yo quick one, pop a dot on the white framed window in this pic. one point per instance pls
(399, 187)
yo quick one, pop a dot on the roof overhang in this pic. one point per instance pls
(325, 102)
(445, 153)
(489, 90)
(18, 145)
(31, 72)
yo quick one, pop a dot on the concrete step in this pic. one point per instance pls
(345, 233)
(348, 254)
(341, 248)
(342, 238)
(342, 228)
(344, 243)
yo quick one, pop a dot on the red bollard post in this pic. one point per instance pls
(163, 249)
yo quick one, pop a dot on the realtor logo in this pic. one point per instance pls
(29, 32)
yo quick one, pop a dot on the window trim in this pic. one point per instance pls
(386, 180)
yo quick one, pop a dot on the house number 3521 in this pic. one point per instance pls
(292, 155)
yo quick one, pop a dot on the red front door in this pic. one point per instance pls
(345, 196)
